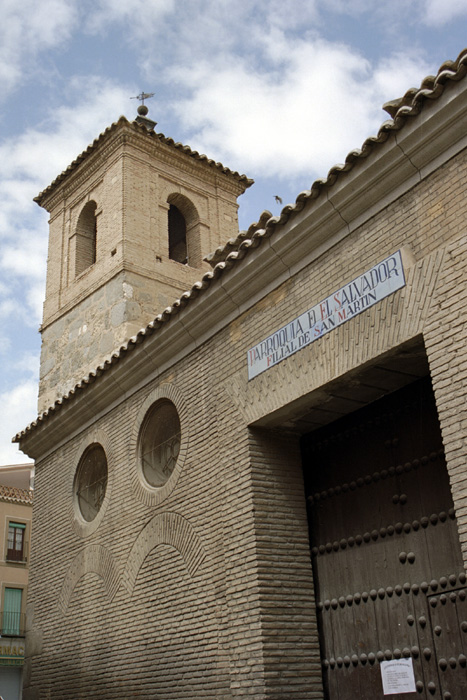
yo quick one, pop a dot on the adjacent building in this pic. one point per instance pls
(255, 487)
(16, 497)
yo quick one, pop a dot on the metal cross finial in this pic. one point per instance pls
(143, 96)
(142, 110)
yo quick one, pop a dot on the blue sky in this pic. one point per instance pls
(280, 90)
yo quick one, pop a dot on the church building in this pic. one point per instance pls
(251, 447)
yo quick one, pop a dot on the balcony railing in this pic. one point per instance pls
(12, 624)
(19, 556)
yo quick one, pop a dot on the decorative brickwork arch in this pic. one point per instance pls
(86, 238)
(94, 559)
(166, 528)
(183, 231)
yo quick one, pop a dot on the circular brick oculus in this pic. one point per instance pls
(90, 482)
(159, 443)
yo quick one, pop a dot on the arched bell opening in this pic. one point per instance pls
(184, 242)
(86, 238)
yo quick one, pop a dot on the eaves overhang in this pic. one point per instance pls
(243, 181)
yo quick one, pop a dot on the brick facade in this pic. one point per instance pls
(203, 588)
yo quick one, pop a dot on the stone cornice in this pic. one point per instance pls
(163, 156)
(96, 163)
(124, 130)
(166, 155)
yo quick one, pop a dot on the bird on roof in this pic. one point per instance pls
(278, 199)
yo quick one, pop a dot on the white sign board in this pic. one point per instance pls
(374, 285)
(398, 677)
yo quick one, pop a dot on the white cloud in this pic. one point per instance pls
(26, 257)
(7, 307)
(23, 264)
(165, 32)
(17, 191)
(27, 28)
(441, 12)
(140, 17)
(399, 13)
(22, 403)
(28, 364)
(5, 344)
(317, 102)
(395, 74)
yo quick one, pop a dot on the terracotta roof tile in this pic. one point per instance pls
(235, 249)
(123, 121)
(14, 495)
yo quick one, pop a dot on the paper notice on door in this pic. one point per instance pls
(398, 676)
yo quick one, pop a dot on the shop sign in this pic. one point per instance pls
(11, 654)
(364, 291)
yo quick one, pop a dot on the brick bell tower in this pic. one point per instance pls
(131, 220)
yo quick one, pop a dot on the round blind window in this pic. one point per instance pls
(160, 442)
(91, 481)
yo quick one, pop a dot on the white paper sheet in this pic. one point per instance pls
(398, 676)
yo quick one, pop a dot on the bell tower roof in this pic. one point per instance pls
(140, 127)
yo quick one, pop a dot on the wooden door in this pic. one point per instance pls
(389, 577)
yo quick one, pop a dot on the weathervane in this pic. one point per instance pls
(143, 96)
(142, 110)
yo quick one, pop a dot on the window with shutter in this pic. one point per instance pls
(11, 618)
